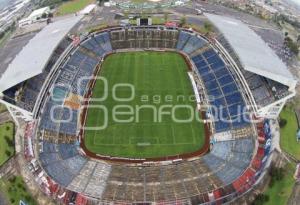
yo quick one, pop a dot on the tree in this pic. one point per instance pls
(12, 179)
(282, 122)
(182, 20)
(291, 45)
(286, 33)
(9, 142)
(261, 199)
(44, 15)
(208, 26)
(7, 153)
(276, 174)
(166, 16)
(101, 2)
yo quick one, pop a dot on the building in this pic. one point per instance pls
(43, 51)
(267, 82)
(34, 16)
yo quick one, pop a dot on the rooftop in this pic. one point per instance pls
(254, 54)
(35, 54)
(39, 12)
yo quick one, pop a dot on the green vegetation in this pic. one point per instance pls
(160, 79)
(182, 21)
(6, 141)
(158, 20)
(261, 199)
(6, 34)
(3, 38)
(51, 3)
(281, 188)
(15, 190)
(73, 6)
(206, 29)
(2, 108)
(288, 141)
(293, 46)
(96, 28)
(166, 17)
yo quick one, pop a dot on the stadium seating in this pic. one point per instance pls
(143, 38)
(104, 41)
(222, 91)
(194, 43)
(61, 162)
(265, 91)
(182, 40)
(67, 150)
(222, 172)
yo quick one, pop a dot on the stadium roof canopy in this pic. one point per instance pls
(254, 54)
(33, 58)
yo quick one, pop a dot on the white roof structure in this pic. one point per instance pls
(254, 54)
(33, 58)
(39, 12)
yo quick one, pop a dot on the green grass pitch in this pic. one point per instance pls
(154, 75)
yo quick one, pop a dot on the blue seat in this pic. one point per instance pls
(218, 102)
(209, 53)
(217, 64)
(230, 88)
(234, 98)
(67, 150)
(221, 72)
(215, 93)
(49, 158)
(225, 80)
(221, 126)
(197, 58)
(59, 173)
(210, 85)
(208, 77)
(183, 38)
(200, 64)
(213, 59)
(203, 70)
(235, 109)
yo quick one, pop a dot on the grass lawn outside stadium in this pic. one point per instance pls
(288, 141)
(7, 148)
(73, 6)
(14, 190)
(157, 78)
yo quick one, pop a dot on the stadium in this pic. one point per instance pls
(233, 74)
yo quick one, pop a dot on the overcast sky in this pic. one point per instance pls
(296, 1)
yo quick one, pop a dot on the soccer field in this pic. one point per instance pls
(160, 82)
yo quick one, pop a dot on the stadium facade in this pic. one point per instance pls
(253, 56)
(45, 74)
